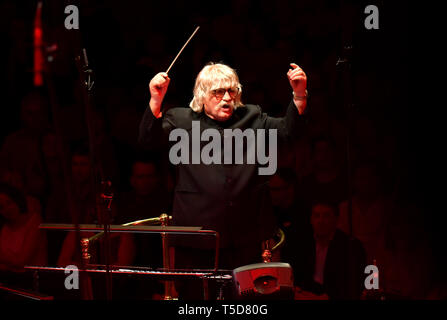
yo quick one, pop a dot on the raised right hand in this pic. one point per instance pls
(157, 88)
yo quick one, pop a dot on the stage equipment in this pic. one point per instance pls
(163, 219)
(269, 280)
(167, 273)
(12, 293)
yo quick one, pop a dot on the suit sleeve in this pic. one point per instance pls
(154, 132)
(289, 127)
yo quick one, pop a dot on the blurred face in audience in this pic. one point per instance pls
(80, 166)
(281, 192)
(144, 178)
(34, 114)
(366, 182)
(323, 220)
(9, 210)
(324, 155)
(13, 178)
(49, 150)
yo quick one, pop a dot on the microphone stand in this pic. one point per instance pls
(63, 153)
(65, 161)
(105, 197)
(344, 63)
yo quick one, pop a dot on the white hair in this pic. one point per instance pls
(214, 76)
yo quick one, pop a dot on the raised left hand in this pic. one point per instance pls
(297, 79)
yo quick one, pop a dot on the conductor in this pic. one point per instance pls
(231, 198)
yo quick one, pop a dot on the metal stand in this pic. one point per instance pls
(103, 198)
(63, 153)
(169, 285)
(134, 227)
(344, 64)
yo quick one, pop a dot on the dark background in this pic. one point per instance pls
(128, 42)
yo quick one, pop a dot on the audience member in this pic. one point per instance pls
(15, 179)
(327, 263)
(57, 209)
(84, 200)
(21, 149)
(22, 243)
(371, 210)
(290, 212)
(302, 158)
(51, 166)
(327, 182)
(148, 196)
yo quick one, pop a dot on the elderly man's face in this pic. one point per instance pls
(219, 104)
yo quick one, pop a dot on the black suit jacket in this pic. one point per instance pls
(343, 271)
(231, 199)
